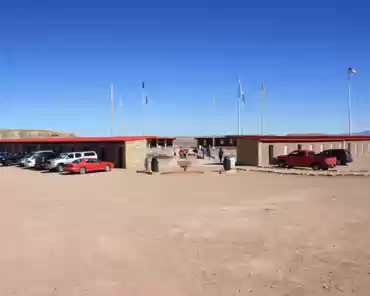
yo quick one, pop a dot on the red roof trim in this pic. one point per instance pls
(78, 140)
(287, 139)
(164, 139)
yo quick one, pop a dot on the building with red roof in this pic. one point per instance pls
(262, 150)
(124, 152)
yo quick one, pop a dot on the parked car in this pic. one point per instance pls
(42, 159)
(3, 155)
(343, 156)
(23, 159)
(31, 161)
(306, 158)
(67, 158)
(83, 166)
(13, 158)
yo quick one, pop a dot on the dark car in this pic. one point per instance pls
(343, 155)
(3, 155)
(13, 158)
(42, 159)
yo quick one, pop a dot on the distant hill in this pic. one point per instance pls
(23, 134)
(364, 133)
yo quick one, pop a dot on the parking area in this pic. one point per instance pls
(122, 233)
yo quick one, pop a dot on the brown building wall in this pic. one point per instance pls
(271, 150)
(247, 152)
(135, 154)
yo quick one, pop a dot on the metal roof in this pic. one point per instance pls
(79, 139)
(287, 139)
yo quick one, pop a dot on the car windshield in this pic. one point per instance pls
(77, 161)
(63, 155)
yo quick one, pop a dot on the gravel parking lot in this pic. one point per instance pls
(122, 233)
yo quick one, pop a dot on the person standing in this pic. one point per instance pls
(220, 154)
(209, 152)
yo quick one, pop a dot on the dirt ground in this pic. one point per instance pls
(123, 233)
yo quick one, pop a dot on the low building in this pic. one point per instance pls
(162, 142)
(262, 150)
(226, 141)
(124, 152)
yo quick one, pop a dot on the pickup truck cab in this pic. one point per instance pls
(306, 158)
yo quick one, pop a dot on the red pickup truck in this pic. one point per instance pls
(306, 158)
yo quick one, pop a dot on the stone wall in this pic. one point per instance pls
(135, 154)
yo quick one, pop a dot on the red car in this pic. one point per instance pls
(83, 166)
(306, 158)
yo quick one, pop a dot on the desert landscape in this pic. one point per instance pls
(125, 233)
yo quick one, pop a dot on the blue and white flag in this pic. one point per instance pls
(241, 92)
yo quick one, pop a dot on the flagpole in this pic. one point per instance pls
(349, 105)
(239, 115)
(112, 102)
(262, 103)
(262, 108)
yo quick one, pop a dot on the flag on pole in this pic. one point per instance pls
(142, 85)
(146, 100)
(352, 71)
(241, 92)
(263, 89)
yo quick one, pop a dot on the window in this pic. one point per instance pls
(294, 153)
(301, 154)
(78, 155)
(87, 154)
(70, 156)
(311, 153)
(92, 161)
(78, 161)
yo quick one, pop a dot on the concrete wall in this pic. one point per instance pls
(135, 154)
(247, 152)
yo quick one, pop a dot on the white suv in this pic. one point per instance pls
(29, 162)
(67, 158)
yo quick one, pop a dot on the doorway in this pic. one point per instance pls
(271, 155)
(120, 158)
(102, 153)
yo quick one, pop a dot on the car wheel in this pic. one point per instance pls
(281, 164)
(60, 168)
(107, 168)
(315, 167)
(82, 171)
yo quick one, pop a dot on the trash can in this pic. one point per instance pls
(155, 165)
(227, 163)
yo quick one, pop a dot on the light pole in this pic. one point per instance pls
(351, 71)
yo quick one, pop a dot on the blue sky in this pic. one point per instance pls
(58, 59)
